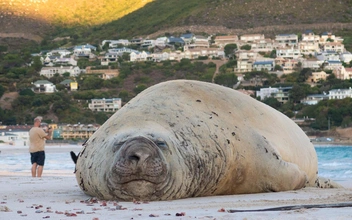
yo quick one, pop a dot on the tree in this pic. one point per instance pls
(2, 90)
(278, 67)
(272, 102)
(37, 64)
(26, 92)
(106, 46)
(304, 75)
(246, 47)
(3, 48)
(273, 54)
(139, 88)
(124, 96)
(56, 78)
(230, 50)
(91, 82)
(60, 87)
(112, 83)
(126, 57)
(66, 74)
(227, 79)
(297, 93)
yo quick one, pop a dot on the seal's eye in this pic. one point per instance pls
(161, 143)
(118, 146)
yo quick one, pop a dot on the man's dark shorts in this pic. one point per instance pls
(38, 157)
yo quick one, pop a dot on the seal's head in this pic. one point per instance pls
(139, 168)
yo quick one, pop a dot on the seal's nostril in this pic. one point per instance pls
(134, 157)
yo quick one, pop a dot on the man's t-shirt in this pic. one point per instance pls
(36, 139)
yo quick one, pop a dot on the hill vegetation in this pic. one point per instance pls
(49, 24)
(95, 20)
(231, 14)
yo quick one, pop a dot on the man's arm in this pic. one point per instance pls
(48, 136)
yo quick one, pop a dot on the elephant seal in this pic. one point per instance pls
(184, 138)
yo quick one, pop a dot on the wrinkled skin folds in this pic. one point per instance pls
(183, 138)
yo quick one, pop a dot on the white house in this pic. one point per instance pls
(312, 64)
(147, 43)
(287, 40)
(84, 50)
(139, 56)
(314, 99)
(51, 71)
(342, 73)
(8, 137)
(309, 36)
(265, 45)
(251, 37)
(16, 135)
(60, 52)
(266, 92)
(288, 53)
(43, 86)
(65, 61)
(157, 57)
(201, 42)
(109, 58)
(332, 64)
(209, 52)
(336, 47)
(222, 41)
(49, 60)
(340, 93)
(105, 105)
(264, 65)
(176, 55)
(121, 51)
(244, 65)
(327, 37)
(246, 54)
(161, 41)
(308, 47)
(86, 46)
(115, 43)
(346, 57)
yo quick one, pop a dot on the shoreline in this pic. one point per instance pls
(56, 195)
(59, 197)
(332, 144)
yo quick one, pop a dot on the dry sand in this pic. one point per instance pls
(57, 196)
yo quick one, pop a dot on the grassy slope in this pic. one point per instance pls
(161, 14)
(126, 18)
(71, 12)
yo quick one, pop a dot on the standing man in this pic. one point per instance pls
(37, 137)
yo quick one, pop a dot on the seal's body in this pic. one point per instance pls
(183, 138)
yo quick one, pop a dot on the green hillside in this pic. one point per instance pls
(162, 15)
(102, 19)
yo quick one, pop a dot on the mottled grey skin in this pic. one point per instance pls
(181, 139)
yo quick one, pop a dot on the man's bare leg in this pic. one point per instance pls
(34, 169)
(40, 171)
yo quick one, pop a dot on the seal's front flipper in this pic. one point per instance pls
(322, 182)
(74, 157)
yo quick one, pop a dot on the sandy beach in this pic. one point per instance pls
(57, 196)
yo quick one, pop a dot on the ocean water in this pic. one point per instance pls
(21, 162)
(334, 162)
